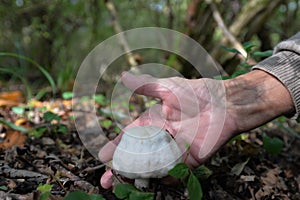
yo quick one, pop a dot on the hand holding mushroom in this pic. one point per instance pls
(203, 113)
(185, 112)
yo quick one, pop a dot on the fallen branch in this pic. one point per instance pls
(9, 172)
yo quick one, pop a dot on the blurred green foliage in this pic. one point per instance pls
(59, 34)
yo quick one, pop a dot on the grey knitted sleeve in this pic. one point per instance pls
(285, 66)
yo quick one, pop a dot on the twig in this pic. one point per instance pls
(118, 29)
(226, 32)
(91, 169)
(170, 14)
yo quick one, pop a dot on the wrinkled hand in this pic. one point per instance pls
(193, 111)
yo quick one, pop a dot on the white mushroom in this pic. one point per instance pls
(145, 152)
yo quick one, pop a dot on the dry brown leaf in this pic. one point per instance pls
(13, 138)
(12, 98)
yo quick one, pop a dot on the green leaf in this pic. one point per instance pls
(202, 172)
(100, 99)
(18, 110)
(45, 190)
(272, 145)
(35, 64)
(238, 168)
(81, 195)
(137, 195)
(194, 188)
(62, 128)
(180, 170)
(44, 187)
(24, 81)
(248, 46)
(38, 132)
(50, 116)
(123, 190)
(263, 53)
(117, 129)
(3, 187)
(96, 197)
(238, 73)
(106, 123)
(13, 126)
(45, 195)
(67, 95)
(232, 50)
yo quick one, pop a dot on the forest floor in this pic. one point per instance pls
(50, 154)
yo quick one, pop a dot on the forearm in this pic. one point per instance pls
(256, 98)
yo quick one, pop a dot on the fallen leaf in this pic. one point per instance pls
(12, 98)
(238, 168)
(247, 178)
(13, 138)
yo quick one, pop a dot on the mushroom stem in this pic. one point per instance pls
(141, 183)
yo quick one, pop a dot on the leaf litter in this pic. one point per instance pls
(242, 169)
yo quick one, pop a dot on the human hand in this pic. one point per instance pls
(205, 113)
(193, 111)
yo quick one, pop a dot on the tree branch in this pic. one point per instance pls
(118, 29)
(237, 45)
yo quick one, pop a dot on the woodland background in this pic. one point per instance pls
(42, 44)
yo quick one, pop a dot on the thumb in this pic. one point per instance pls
(145, 85)
(107, 180)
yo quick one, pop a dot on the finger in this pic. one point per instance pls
(107, 151)
(145, 85)
(106, 180)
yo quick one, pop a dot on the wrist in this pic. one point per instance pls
(256, 98)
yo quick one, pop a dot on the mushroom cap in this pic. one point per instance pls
(145, 152)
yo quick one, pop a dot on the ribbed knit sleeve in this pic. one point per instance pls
(285, 66)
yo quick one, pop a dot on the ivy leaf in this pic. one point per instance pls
(202, 172)
(263, 53)
(80, 195)
(180, 170)
(137, 195)
(194, 188)
(123, 190)
(50, 116)
(232, 50)
(272, 145)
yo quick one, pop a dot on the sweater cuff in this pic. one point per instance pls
(285, 66)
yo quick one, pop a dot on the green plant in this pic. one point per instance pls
(45, 190)
(244, 66)
(67, 95)
(272, 145)
(56, 127)
(13, 126)
(81, 195)
(182, 171)
(106, 123)
(20, 76)
(129, 192)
